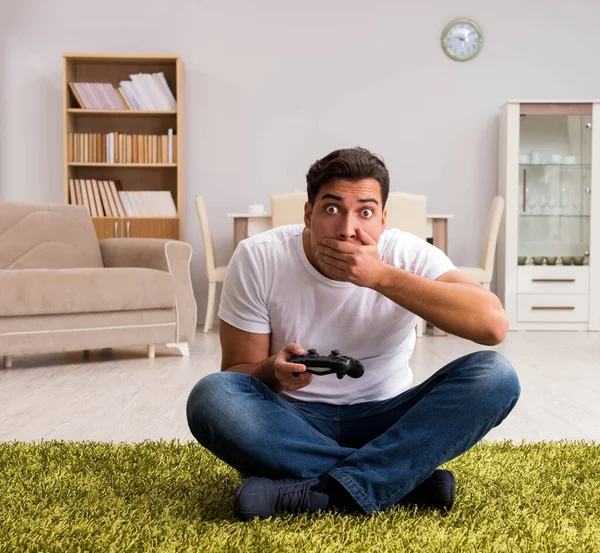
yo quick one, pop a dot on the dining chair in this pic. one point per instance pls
(485, 271)
(215, 274)
(288, 209)
(408, 212)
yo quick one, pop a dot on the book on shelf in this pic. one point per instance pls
(106, 198)
(170, 142)
(145, 203)
(145, 92)
(118, 147)
(114, 211)
(91, 199)
(97, 96)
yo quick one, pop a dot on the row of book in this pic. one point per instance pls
(117, 147)
(106, 198)
(145, 91)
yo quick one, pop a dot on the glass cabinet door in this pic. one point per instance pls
(555, 187)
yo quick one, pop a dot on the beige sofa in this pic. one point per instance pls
(61, 289)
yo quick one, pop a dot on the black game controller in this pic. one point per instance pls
(334, 363)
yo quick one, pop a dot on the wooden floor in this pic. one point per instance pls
(123, 396)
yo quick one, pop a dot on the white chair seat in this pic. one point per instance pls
(476, 273)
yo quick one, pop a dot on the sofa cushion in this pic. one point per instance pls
(55, 291)
(47, 236)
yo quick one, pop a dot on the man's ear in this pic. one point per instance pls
(307, 214)
(384, 217)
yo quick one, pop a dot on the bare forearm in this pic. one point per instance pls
(466, 310)
(263, 371)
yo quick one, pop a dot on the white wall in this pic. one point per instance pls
(273, 85)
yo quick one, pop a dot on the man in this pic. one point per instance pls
(340, 281)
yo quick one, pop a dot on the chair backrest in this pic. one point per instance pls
(209, 247)
(288, 209)
(407, 212)
(47, 236)
(488, 249)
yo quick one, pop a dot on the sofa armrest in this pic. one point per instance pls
(172, 256)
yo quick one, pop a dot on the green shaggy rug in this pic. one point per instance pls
(177, 497)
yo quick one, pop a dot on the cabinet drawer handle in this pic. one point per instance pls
(552, 280)
(551, 308)
(116, 229)
(127, 228)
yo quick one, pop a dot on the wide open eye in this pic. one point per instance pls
(332, 209)
(366, 212)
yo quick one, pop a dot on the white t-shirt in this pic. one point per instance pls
(271, 287)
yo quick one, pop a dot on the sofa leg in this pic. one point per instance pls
(151, 351)
(183, 348)
(7, 361)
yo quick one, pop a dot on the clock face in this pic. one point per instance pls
(462, 39)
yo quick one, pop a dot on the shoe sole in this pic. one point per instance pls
(452, 491)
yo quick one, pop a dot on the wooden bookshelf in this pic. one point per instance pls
(113, 68)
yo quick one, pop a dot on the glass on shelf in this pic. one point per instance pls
(542, 202)
(531, 200)
(564, 198)
(576, 204)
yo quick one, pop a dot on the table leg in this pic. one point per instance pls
(440, 234)
(240, 230)
(440, 240)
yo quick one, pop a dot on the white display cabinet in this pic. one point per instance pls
(549, 244)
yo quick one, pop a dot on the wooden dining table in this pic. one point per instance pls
(249, 224)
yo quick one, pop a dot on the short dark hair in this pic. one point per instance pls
(351, 164)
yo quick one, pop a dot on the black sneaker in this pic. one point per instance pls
(262, 497)
(438, 491)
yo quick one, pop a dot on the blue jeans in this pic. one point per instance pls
(378, 451)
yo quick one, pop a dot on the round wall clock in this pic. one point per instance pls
(462, 39)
